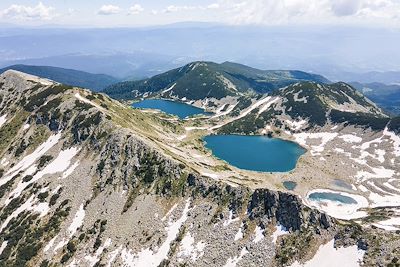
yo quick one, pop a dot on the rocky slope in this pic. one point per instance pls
(84, 181)
(306, 105)
(201, 80)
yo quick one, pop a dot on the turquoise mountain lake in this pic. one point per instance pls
(289, 185)
(332, 197)
(255, 153)
(181, 110)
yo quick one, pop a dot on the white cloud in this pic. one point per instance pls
(135, 9)
(345, 7)
(213, 6)
(21, 12)
(173, 8)
(310, 11)
(108, 10)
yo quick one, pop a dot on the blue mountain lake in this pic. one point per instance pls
(255, 153)
(181, 110)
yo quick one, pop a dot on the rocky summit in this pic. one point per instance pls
(86, 180)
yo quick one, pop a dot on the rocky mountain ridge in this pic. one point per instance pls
(84, 182)
(201, 80)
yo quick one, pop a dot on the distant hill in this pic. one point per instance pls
(386, 96)
(83, 79)
(200, 80)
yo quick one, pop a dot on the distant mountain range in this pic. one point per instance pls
(200, 80)
(82, 79)
(386, 96)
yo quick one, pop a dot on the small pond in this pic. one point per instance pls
(336, 197)
(289, 185)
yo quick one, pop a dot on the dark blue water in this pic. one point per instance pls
(255, 153)
(332, 196)
(289, 185)
(181, 110)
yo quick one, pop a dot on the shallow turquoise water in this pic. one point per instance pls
(181, 110)
(255, 153)
(318, 196)
(289, 185)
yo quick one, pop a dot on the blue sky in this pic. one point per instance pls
(154, 12)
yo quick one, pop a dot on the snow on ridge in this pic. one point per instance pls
(392, 224)
(329, 256)
(59, 164)
(3, 120)
(93, 259)
(223, 113)
(296, 125)
(70, 169)
(259, 234)
(3, 246)
(30, 159)
(325, 137)
(349, 138)
(230, 219)
(147, 257)
(231, 262)
(169, 88)
(87, 101)
(29, 205)
(239, 234)
(395, 139)
(188, 249)
(77, 221)
(280, 230)
(267, 105)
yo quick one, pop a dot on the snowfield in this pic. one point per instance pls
(338, 209)
(329, 256)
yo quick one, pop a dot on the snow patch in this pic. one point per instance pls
(70, 170)
(77, 221)
(169, 88)
(28, 160)
(230, 220)
(259, 232)
(148, 258)
(3, 246)
(188, 249)
(239, 234)
(338, 209)
(231, 262)
(59, 164)
(325, 137)
(3, 120)
(392, 224)
(279, 231)
(329, 256)
(349, 138)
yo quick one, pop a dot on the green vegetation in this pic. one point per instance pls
(38, 99)
(364, 120)
(43, 160)
(199, 80)
(9, 131)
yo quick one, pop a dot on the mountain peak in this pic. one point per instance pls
(14, 77)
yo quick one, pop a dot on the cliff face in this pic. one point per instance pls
(81, 184)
